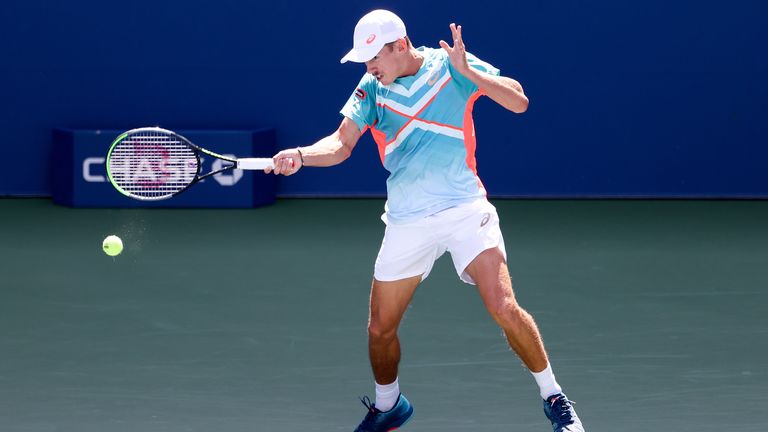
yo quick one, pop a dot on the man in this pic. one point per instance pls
(417, 102)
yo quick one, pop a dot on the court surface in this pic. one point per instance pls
(655, 315)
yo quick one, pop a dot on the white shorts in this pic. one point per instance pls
(411, 249)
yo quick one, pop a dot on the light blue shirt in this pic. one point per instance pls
(423, 128)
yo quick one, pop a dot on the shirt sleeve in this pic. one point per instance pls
(361, 105)
(467, 86)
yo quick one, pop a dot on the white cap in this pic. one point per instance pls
(372, 32)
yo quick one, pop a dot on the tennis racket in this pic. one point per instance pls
(152, 164)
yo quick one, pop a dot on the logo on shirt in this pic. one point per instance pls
(433, 79)
(360, 93)
(370, 39)
(434, 75)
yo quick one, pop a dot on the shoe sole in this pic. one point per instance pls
(404, 423)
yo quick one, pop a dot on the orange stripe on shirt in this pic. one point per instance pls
(470, 142)
(381, 141)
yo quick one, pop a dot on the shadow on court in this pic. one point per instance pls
(653, 313)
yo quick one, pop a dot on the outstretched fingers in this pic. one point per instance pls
(456, 36)
(458, 41)
(457, 53)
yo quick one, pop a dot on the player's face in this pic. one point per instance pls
(385, 65)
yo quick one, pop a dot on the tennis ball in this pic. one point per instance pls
(112, 245)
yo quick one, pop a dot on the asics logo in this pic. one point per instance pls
(433, 79)
(370, 39)
(485, 220)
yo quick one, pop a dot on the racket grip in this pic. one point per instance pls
(255, 163)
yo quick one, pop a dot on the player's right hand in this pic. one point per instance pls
(285, 163)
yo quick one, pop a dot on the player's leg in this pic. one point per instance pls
(491, 276)
(490, 273)
(389, 300)
(477, 249)
(407, 254)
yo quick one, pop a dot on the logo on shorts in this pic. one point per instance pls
(486, 218)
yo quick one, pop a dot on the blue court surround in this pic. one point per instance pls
(634, 99)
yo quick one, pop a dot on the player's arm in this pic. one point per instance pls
(335, 148)
(331, 150)
(503, 90)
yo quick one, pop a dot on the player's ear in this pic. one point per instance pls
(402, 45)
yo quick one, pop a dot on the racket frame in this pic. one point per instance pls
(197, 150)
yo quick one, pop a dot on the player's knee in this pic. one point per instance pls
(378, 331)
(508, 314)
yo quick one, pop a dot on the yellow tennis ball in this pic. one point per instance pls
(112, 245)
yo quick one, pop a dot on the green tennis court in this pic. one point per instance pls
(654, 314)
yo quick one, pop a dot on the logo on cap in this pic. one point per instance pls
(370, 39)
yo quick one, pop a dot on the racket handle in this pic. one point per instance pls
(255, 163)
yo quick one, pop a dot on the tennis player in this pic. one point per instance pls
(417, 103)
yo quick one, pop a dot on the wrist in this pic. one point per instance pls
(473, 75)
(301, 156)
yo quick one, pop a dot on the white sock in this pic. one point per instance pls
(548, 386)
(386, 395)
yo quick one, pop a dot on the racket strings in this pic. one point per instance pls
(152, 165)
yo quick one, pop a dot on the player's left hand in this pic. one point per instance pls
(456, 53)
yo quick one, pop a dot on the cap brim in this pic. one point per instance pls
(361, 55)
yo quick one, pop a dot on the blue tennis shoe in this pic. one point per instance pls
(378, 421)
(559, 410)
